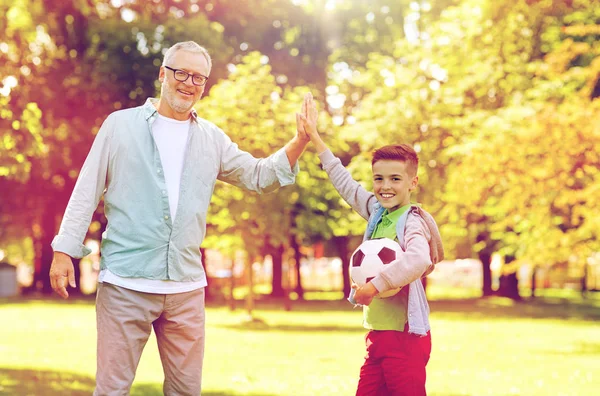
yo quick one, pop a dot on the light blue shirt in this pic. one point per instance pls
(141, 240)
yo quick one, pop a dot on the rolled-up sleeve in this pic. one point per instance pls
(285, 174)
(86, 195)
(261, 175)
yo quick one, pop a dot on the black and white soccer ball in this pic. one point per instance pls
(370, 258)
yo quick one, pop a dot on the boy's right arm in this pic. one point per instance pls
(353, 193)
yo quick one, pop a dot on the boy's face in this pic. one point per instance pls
(392, 183)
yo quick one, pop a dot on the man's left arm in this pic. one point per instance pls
(294, 149)
(262, 175)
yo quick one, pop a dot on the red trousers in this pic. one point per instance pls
(395, 364)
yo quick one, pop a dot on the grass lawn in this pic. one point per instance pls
(480, 347)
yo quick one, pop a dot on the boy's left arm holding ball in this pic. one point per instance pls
(410, 266)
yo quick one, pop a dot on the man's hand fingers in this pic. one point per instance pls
(306, 125)
(54, 277)
(304, 106)
(301, 127)
(62, 292)
(299, 122)
(52, 282)
(306, 122)
(61, 288)
(71, 277)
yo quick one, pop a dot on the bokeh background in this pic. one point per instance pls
(499, 98)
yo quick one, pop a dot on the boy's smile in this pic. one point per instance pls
(392, 183)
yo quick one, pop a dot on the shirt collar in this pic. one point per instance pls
(150, 109)
(391, 218)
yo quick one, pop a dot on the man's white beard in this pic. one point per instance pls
(178, 105)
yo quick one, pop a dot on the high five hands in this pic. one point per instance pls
(306, 122)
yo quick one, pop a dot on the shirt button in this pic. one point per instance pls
(164, 192)
(166, 217)
(158, 171)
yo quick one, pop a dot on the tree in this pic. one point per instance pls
(518, 197)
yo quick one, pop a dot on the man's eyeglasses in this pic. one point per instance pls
(182, 76)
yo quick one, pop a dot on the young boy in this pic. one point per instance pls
(398, 342)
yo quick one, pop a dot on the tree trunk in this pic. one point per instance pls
(36, 236)
(277, 281)
(297, 257)
(584, 280)
(232, 286)
(509, 286)
(509, 282)
(46, 254)
(341, 244)
(287, 283)
(533, 280)
(486, 259)
(250, 278)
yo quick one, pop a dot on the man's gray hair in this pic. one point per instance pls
(189, 46)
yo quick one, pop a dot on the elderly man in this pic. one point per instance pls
(157, 165)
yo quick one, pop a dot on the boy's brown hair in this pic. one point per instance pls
(398, 152)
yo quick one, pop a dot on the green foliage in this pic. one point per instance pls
(523, 172)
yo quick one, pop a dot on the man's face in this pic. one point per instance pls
(182, 96)
(392, 183)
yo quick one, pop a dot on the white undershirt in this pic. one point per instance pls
(171, 138)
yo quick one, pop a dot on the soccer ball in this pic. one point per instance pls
(370, 258)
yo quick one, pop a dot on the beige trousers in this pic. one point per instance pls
(124, 320)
